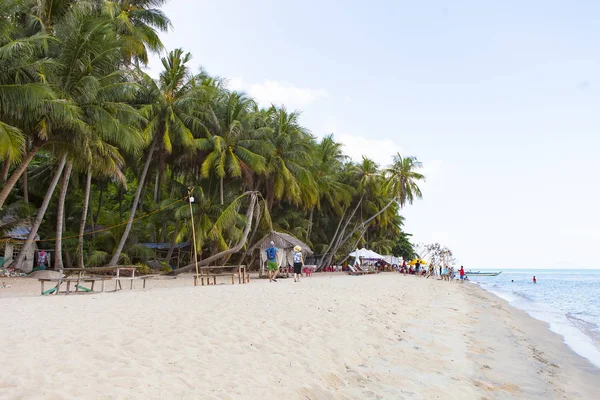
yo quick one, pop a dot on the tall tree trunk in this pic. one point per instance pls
(60, 214)
(25, 187)
(324, 256)
(221, 189)
(335, 242)
(115, 258)
(17, 174)
(172, 247)
(40, 214)
(121, 206)
(368, 221)
(100, 198)
(310, 225)
(362, 234)
(84, 212)
(157, 184)
(236, 248)
(5, 169)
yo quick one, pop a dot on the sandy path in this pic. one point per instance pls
(328, 337)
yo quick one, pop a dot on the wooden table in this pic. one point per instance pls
(115, 270)
(205, 273)
(68, 281)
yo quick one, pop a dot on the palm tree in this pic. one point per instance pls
(29, 106)
(86, 53)
(137, 22)
(234, 146)
(170, 106)
(401, 184)
(288, 175)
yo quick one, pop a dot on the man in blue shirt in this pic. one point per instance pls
(272, 262)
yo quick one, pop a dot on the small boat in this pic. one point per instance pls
(478, 273)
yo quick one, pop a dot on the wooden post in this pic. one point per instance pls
(190, 198)
(42, 283)
(215, 280)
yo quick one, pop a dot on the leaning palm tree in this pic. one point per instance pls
(169, 105)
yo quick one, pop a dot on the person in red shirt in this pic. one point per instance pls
(461, 271)
(534, 280)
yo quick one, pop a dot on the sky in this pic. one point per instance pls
(499, 100)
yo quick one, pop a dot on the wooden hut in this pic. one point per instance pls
(284, 242)
(11, 243)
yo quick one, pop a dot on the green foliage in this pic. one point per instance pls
(70, 84)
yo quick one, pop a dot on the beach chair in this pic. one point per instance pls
(354, 271)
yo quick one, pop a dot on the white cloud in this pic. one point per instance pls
(279, 93)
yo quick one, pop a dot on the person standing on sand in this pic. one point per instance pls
(298, 263)
(461, 271)
(272, 261)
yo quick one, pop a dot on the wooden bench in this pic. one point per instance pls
(68, 281)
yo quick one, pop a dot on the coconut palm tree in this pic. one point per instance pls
(137, 22)
(86, 53)
(288, 176)
(234, 146)
(169, 105)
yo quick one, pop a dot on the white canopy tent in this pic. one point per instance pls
(364, 253)
(392, 260)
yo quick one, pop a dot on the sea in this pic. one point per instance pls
(568, 300)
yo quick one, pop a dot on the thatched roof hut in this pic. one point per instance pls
(284, 242)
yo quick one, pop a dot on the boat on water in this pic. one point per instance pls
(479, 273)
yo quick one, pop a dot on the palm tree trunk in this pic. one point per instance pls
(60, 213)
(115, 258)
(100, 198)
(321, 261)
(17, 174)
(310, 225)
(221, 189)
(40, 214)
(366, 223)
(236, 248)
(335, 244)
(362, 234)
(84, 212)
(156, 186)
(5, 169)
(172, 247)
(25, 187)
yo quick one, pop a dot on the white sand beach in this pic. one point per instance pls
(331, 336)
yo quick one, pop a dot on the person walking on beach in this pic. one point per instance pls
(272, 261)
(461, 271)
(298, 263)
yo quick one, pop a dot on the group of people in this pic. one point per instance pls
(446, 273)
(273, 262)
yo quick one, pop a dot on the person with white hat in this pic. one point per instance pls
(298, 263)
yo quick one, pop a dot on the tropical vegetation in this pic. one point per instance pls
(100, 157)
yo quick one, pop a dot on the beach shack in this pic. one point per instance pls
(11, 244)
(167, 251)
(284, 242)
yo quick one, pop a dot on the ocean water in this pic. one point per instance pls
(568, 300)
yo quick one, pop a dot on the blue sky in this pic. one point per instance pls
(499, 101)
